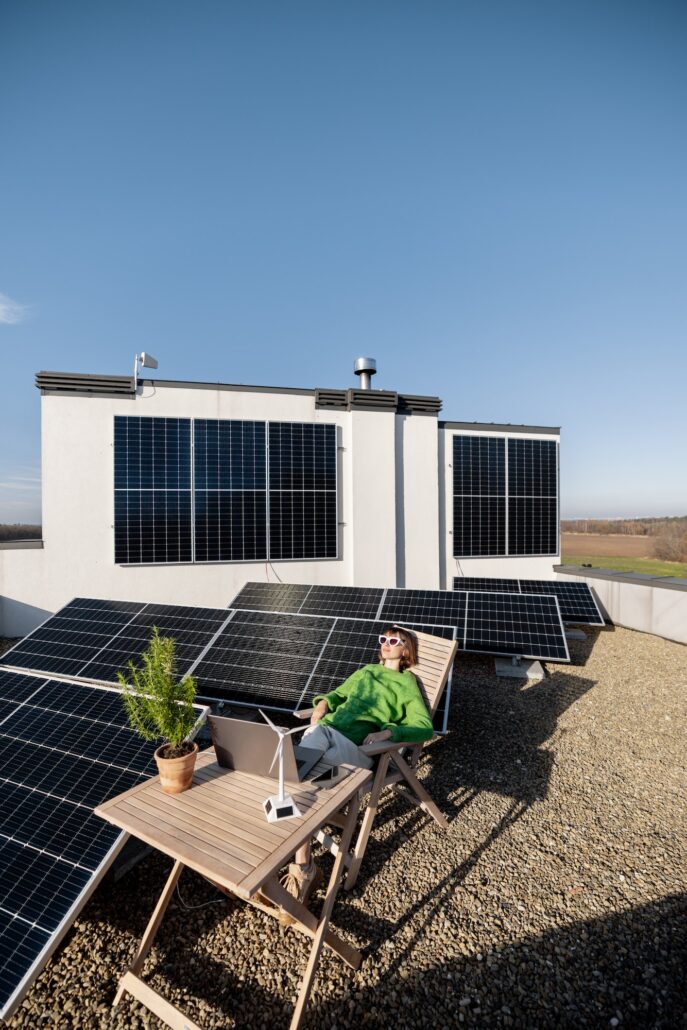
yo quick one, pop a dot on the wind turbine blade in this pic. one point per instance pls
(296, 729)
(268, 720)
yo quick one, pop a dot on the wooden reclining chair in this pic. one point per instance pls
(396, 762)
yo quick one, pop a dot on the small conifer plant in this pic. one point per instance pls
(156, 703)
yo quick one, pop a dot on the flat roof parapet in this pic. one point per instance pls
(502, 427)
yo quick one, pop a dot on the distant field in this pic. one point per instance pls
(620, 546)
(622, 552)
(651, 566)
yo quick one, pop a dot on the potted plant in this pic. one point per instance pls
(158, 705)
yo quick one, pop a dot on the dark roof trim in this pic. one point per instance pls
(21, 545)
(638, 579)
(498, 427)
(74, 382)
(234, 387)
(414, 404)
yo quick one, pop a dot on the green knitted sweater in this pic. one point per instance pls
(376, 698)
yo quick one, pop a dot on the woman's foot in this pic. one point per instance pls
(300, 881)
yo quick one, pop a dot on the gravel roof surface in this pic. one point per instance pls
(555, 899)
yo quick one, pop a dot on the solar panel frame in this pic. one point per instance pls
(53, 851)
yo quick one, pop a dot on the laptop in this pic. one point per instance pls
(251, 746)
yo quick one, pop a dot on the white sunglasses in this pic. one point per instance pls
(391, 641)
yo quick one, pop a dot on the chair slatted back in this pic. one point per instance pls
(435, 659)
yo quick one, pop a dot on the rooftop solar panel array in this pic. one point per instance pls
(576, 600)
(64, 748)
(529, 627)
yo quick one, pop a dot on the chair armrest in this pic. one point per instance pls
(304, 713)
(389, 745)
(385, 745)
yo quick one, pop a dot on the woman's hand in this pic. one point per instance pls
(377, 738)
(319, 712)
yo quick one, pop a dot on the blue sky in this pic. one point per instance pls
(490, 199)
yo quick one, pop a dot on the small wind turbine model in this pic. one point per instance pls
(281, 805)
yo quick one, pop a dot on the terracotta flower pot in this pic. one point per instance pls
(176, 774)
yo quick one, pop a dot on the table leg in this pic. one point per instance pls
(152, 927)
(330, 898)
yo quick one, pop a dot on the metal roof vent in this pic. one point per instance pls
(365, 368)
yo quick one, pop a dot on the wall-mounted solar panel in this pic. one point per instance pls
(303, 521)
(505, 496)
(152, 490)
(479, 496)
(93, 639)
(64, 748)
(230, 490)
(576, 600)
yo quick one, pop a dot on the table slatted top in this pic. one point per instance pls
(218, 826)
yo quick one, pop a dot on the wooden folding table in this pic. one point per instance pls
(218, 828)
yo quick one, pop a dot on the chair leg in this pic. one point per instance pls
(424, 798)
(368, 820)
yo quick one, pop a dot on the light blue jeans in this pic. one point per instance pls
(338, 750)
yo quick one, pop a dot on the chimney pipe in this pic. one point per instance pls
(365, 368)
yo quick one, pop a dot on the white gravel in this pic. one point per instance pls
(555, 899)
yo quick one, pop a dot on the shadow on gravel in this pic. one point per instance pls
(495, 742)
(581, 650)
(626, 967)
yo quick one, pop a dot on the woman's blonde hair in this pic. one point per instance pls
(409, 656)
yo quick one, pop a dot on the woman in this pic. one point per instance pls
(378, 702)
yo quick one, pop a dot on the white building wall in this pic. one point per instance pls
(373, 497)
(647, 606)
(417, 502)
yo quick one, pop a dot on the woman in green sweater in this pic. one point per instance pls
(378, 702)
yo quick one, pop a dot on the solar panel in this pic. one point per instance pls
(479, 495)
(152, 490)
(64, 748)
(92, 639)
(505, 496)
(272, 597)
(263, 658)
(576, 600)
(357, 602)
(526, 625)
(424, 608)
(230, 490)
(303, 521)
